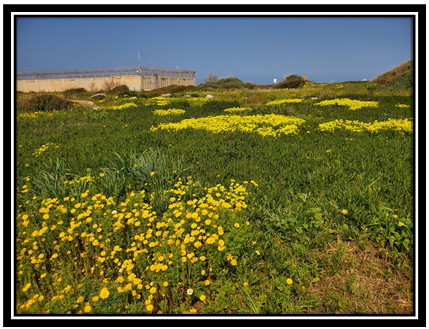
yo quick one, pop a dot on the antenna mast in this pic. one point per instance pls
(138, 57)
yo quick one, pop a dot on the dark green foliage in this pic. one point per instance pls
(129, 93)
(179, 104)
(404, 81)
(225, 83)
(217, 106)
(47, 103)
(291, 81)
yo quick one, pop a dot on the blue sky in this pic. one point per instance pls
(257, 49)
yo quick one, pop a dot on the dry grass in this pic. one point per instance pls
(387, 78)
(365, 283)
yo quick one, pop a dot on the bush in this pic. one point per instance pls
(121, 88)
(128, 93)
(249, 85)
(47, 103)
(71, 92)
(225, 83)
(404, 81)
(291, 81)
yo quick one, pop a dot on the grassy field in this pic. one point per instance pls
(252, 202)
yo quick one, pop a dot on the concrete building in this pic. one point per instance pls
(136, 78)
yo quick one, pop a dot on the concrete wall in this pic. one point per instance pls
(134, 82)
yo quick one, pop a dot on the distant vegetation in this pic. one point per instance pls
(226, 83)
(291, 81)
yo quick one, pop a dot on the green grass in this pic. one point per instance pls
(322, 200)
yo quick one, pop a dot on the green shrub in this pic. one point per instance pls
(46, 103)
(128, 93)
(404, 81)
(249, 85)
(291, 81)
(225, 83)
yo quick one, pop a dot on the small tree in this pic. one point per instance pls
(291, 81)
(211, 77)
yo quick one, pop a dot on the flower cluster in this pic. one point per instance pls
(402, 105)
(238, 109)
(392, 124)
(197, 100)
(168, 112)
(351, 104)
(282, 101)
(43, 149)
(265, 125)
(121, 107)
(126, 247)
(157, 101)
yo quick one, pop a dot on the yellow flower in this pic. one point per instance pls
(257, 252)
(245, 284)
(104, 293)
(45, 216)
(345, 212)
(87, 309)
(401, 224)
(165, 284)
(289, 281)
(207, 282)
(149, 307)
(233, 262)
(152, 290)
(95, 298)
(202, 298)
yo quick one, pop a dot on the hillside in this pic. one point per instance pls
(400, 76)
